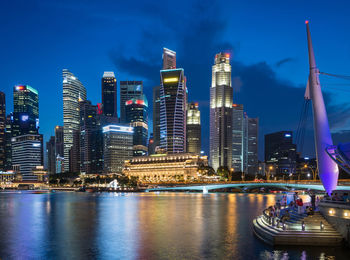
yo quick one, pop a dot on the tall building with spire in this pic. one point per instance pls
(73, 92)
(173, 111)
(109, 94)
(221, 113)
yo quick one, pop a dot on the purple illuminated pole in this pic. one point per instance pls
(327, 168)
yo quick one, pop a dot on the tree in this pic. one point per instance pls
(223, 172)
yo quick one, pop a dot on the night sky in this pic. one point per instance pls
(267, 42)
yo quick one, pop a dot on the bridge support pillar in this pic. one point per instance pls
(205, 190)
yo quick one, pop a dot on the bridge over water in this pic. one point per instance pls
(249, 185)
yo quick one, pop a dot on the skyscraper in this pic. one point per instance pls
(281, 152)
(2, 131)
(128, 90)
(169, 59)
(137, 117)
(90, 139)
(8, 137)
(221, 113)
(118, 147)
(59, 147)
(156, 117)
(250, 145)
(51, 157)
(25, 110)
(73, 91)
(173, 111)
(193, 129)
(109, 94)
(27, 153)
(237, 137)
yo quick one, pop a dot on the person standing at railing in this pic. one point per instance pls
(300, 205)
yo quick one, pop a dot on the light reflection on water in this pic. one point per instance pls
(139, 226)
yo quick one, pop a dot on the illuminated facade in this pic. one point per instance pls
(109, 94)
(51, 157)
(129, 90)
(137, 117)
(73, 91)
(25, 110)
(173, 111)
(237, 137)
(8, 136)
(251, 131)
(193, 129)
(156, 118)
(117, 147)
(164, 168)
(27, 153)
(169, 59)
(2, 131)
(221, 113)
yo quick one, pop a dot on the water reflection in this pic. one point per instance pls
(139, 226)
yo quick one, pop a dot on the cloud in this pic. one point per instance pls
(284, 61)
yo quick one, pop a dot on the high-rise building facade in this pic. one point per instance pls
(169, 59)
(25, 111)
(221, 113)
(252, 131)
(156, 117)
(137, 117)
(91, 157)
(173, 111)
(281, 152)
(118, 147)
(128, 90)
(27, 153)
(109, 94)
(237, 137)
(51, 155)
(193, 128)
(73, 92)
(8, 137)
(2, 131)
(59, 145)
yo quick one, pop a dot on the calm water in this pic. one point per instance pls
(139, 226)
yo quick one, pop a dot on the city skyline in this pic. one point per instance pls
(276, 70)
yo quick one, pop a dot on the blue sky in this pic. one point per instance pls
(267, 41)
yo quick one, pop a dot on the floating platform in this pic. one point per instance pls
(272, 232)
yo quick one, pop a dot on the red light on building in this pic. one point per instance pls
(234, 105)
(140, 102)
(99, 109)
(129, 102)
(151, 141)
(20, 88)
(306, 22)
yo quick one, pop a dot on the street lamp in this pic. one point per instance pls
(269, 172)
(314, 171)
(231, 173)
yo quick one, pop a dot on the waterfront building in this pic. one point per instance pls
(117, 147)
(156, 118)
(59, 164)
(74, 154)
(129, 90)
(137, 117)
(221, 113)
(8, 146)
(281, 152)
(2, 131)
(40, 173)
(27, 153)
(193, 129)
(109, 94)
(7, 177)
(59, 145)
(25, 111)
(173, 111)
(250, 145)
(91, 151)
(165, 168)
(169, 59)
(73, 92)
(237, 137)
(51, 155)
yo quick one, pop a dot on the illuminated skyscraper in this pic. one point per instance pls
(128, 90)
(59, 147)
(169, 59)
(25, 111)
(156, 118)
(117, 147)
(51, 158)
(109, 94)
(8, 136)
(250, 145)
(237, 137)
(2, 131)
(73, 91)
(137, 117)
(193, 129)
(221, 113)
(173, 111)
